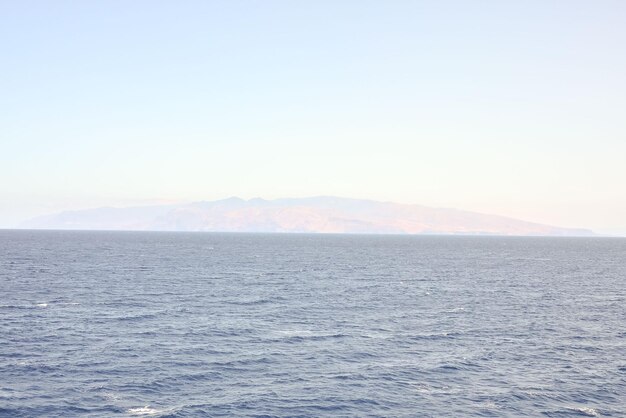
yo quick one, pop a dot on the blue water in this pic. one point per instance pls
(194, 324)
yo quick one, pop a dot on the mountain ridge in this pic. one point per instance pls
(319, 214)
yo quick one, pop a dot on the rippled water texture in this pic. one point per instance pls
(194, 324)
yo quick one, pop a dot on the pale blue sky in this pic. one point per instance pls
(513, 108)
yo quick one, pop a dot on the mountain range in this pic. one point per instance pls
(314, 214)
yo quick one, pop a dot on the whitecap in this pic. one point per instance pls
(42, 305)
(589, 412)
(110, 396)
(490, 405)
(145, 410)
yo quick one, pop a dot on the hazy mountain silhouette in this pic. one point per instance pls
(314, 214)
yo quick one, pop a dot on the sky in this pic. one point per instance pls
(511, 108)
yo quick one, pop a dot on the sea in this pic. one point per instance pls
(173, 324)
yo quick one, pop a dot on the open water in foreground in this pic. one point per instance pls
(201, 324)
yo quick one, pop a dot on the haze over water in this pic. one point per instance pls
(191, 324)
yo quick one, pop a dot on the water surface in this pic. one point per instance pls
(203, 324)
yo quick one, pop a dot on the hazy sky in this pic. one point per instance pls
(510, 107)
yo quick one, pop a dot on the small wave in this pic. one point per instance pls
(302, 335)
(255, 302)
(42, 305)
(30, 306)
(376, 336)
(436, 336)
(137, 317)
(145, 410)
(448, 367)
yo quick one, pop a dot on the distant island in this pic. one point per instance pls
(313, 215)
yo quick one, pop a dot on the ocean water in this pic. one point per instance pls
(202, 324)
